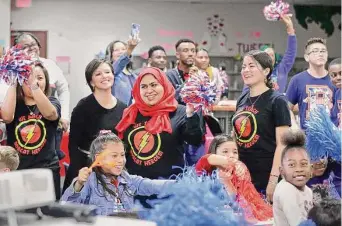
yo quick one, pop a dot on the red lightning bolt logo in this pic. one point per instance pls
(30, 134)
(243, 126)
(144, 142)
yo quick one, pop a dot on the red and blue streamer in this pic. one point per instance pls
(273, 11)
(16, 64)
(199, 92)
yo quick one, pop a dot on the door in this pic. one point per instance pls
(42, 37)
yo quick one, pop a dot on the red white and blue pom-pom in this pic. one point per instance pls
(273, 11)
(199, 92)
(15, 65)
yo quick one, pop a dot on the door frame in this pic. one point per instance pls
(42, 35)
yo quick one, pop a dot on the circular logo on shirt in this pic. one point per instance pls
(245, 126)
(144, 145)
(30, 134)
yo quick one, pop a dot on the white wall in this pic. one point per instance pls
(5, 12)
(5, 21)
(80, 29)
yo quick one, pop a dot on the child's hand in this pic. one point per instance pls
(226, 174)
(221, 161)
(83, 176)
(240, 169)
(270, 190)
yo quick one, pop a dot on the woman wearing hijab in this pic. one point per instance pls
(155, 127)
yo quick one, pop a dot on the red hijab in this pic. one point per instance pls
(159, 113)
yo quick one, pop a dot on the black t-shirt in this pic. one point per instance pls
(255, 131)
(33, 136)
(87, 119)
(161, 155)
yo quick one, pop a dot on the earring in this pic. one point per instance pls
(265, 80)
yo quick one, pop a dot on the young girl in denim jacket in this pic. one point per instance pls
(108, 185)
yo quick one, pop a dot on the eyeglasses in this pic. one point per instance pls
(321, 164)
(31, 46)
(317, 51)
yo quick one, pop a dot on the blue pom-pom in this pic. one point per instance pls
(195, 200)
(307, 223)
(323, 138)
(332, 188)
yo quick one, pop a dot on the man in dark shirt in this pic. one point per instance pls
(185, 53)
(156, 58)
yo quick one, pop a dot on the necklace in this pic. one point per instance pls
(31, 112)
(253, 103)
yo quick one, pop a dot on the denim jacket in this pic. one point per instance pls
(123, 83)
(128, 186)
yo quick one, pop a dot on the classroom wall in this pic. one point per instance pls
(81, 29)
(5, 12)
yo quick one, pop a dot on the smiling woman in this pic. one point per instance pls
(32, 116)
(98, 111)
(151, 91)
(261, 118)
(155, 127)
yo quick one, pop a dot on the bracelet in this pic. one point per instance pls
(272, 182)
(273, 175)
(291, 30)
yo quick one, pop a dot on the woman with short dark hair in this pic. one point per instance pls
(98, 111)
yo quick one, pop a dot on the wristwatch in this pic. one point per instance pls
(34, 86)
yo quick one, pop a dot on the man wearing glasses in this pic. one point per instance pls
(312, 88)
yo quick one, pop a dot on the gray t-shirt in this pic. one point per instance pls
(291, 205)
